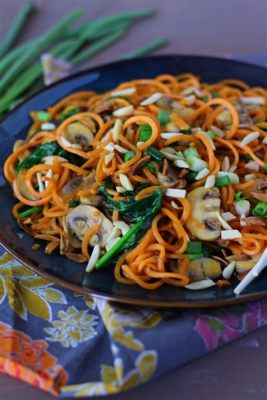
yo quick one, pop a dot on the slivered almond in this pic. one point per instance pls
(223, 223)
(230, 234)
(176, 193)
(228, 271)
(202, 174)
(123, 111)
(151, 99)
(93, 258)
(210, 182)
(109, 157)
(123, 92)
(204, 284)
(249, 138)
(125, 182)
(116, 130)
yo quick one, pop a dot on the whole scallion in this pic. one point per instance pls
(15, 27)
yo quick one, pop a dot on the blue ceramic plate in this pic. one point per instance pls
(102, 283)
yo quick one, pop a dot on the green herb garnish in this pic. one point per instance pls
(163, 117)
(30, 211)
(73, 203)
(145, 132)
(191, 177)
(239, 196)
(70, 112)
(44, 150)
(154, 153)
(221, 181)
(194, 247)
(43, 116)
(260, 209)
(129, 155)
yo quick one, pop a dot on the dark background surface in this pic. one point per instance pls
(236, 371)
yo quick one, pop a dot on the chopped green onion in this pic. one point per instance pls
(234, 178)
(205, 99)
(151, 167)
(194, 247)
(265, 167)
(70, 112)
(43, 116)
(239, 196)
(214, 94)
(260, 209)
(129, 155)
(180, 154)
(191, 177)
(145, 132)
(118, 245)
(194, 256)
(154, 153)
(221, 181)
(73, 203)
(163, 117)
(186, 131)
(196, 164)
(30, 211)
(191, 151)
(210, 134)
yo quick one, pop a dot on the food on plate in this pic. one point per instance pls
(164, 178)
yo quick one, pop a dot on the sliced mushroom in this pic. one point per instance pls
(260, 187)
(83, 217)
(244, 266)
(171, 178)
(77, 183)
(237, 257)
(91, 200)
(72, 186)
(80, 134)
(22, 187)
(137, 168)
(203, 223)
(203, 268)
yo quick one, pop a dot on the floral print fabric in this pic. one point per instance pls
(74, 346)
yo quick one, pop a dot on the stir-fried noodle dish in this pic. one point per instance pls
(163, 178)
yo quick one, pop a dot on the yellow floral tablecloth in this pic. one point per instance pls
(71, 345)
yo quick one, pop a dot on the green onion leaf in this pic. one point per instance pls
(163, 117)
(221, 181)
(117, 246)
(151, 167)
(265, 167)
(145, 132)
(214, 94)
(154, 153)
(43, 116)
(260, 209)
(70, 112)
(30, 211)
(196, 164)
(239, 196)
(194, 256)
(210, 134)
(73, 203)
(194, 247)
(191, 177)
(191, 151)
(129, 155)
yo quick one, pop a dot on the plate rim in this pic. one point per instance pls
(195, 304)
